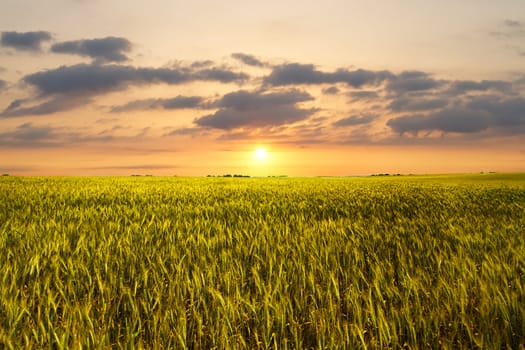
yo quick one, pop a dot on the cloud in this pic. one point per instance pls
(355, 120)
(503, 112)
(68, 87)
(453, 120)
(201, 64)
(28, 135)
(295, 73)
(97, 79)
(463, 86)
(257, 109)
(363, 95)
(54, 105)
(186, 132)
(15, 104)
(412, 81)
(3, 84)
(479, 114)
(405, 104)
(109, 49)
(28, 41)
(512, 32)
(219, 74)
(179, 102)
(92, 79)
(249, 60)
(332, 90)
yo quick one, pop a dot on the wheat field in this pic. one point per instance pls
(262, 263)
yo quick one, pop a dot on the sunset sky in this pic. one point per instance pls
(334, 87)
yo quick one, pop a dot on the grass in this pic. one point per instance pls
(383, 262)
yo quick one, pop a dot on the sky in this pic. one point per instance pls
(334, 87)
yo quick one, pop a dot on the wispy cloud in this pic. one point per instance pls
(355, 120)
(18, 108)
(249, 60)
(179, 102)
(29, 135)
(512, 33)
(510, 28)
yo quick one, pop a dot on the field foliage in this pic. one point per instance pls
(385, 262)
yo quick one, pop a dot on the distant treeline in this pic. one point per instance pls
(386, 174)
(228, 175)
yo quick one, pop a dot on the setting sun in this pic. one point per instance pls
(260, 154)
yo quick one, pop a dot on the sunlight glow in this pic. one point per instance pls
(260, 154)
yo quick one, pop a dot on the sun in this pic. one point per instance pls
(260, 154)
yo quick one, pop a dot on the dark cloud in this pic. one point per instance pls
(54, 105)
(28, 41)
(3, 84)
(355, 120)
(463, 86)
(454, 120)
(412, 81)
(219, 74)
(96, 79)
(503, 112)
(479, 114)
(179, 102)
(406, 104)
(110, 49)
(69, 87)
(257, 109)
(332, 90)
(87, 78)
(295, 73)
(249, 60)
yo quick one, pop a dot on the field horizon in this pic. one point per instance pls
(494, 174)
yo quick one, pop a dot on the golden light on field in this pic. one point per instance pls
(260, 154)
